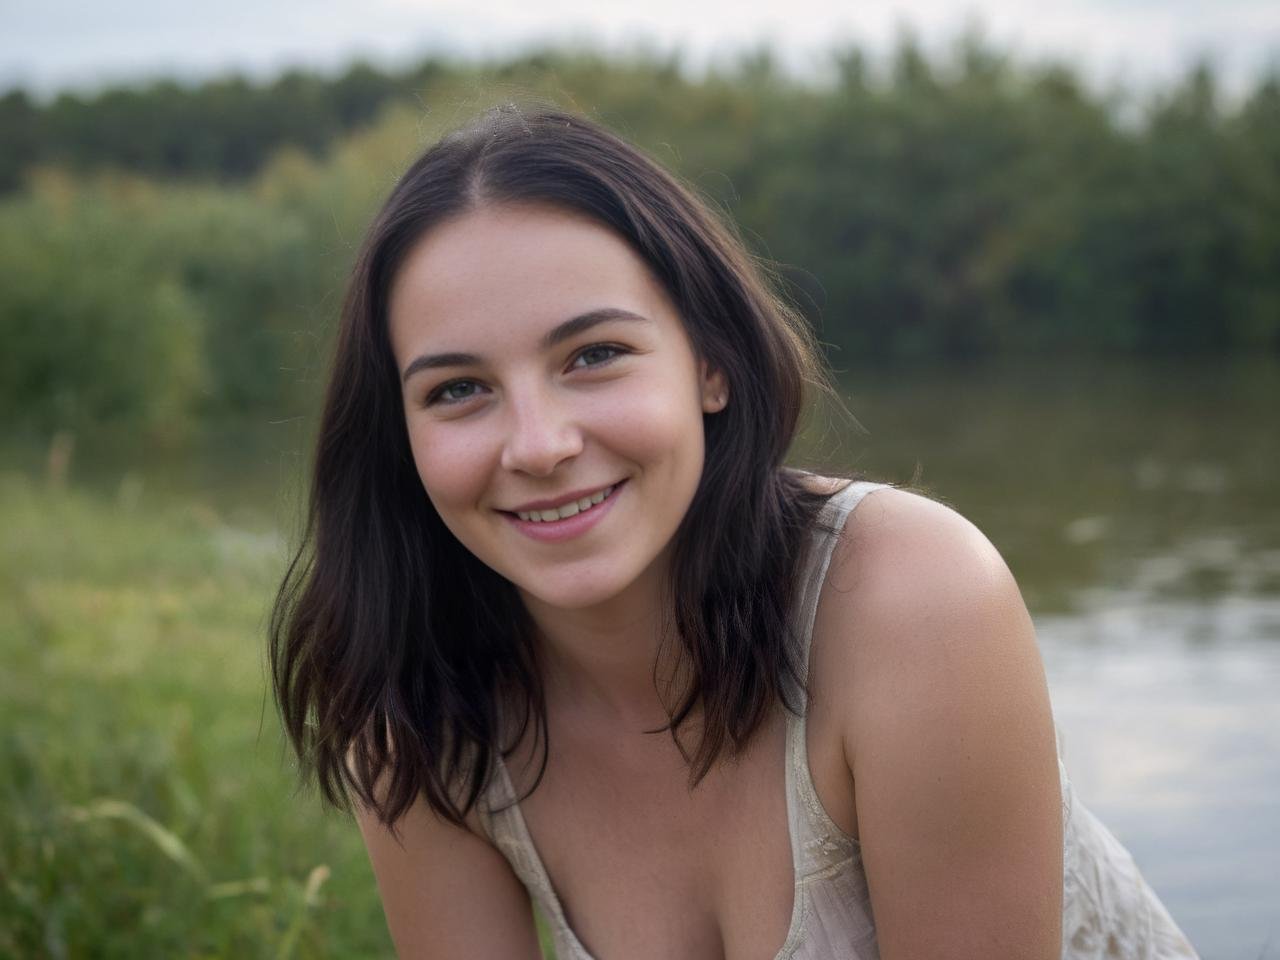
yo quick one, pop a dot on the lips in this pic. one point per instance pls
(569, 519)
(566, 510)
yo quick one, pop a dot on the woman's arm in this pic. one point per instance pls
(949, 737)
(447, 892)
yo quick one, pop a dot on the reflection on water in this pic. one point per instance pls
(1172, 735)
(1140, 510)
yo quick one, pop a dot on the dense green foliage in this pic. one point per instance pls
(174, 253)
(226, 128)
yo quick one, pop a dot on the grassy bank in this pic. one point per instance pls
(146, 801)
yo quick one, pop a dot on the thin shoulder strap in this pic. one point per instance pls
(831, 520)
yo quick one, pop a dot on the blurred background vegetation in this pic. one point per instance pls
(172, 259)
(194, 238)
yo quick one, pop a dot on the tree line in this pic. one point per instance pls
(174, 253)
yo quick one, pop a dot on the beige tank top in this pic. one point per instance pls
(1108, 909)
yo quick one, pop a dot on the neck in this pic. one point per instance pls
(601, 660)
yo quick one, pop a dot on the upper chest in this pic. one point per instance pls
(644, 866)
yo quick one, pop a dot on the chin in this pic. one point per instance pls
(573, 593)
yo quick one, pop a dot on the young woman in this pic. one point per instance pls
(564, 626)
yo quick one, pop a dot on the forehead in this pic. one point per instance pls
(496, 270)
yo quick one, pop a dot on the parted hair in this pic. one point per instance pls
(394, 651)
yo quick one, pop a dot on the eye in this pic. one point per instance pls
(455, 391)
(597, 355)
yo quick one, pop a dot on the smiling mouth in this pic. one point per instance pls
(570, 509)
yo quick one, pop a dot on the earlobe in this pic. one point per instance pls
(715, 390)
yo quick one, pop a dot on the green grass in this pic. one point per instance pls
(147, 805)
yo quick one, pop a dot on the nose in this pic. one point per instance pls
(542, 435)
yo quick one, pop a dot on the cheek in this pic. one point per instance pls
(453, 465)
(658, 424)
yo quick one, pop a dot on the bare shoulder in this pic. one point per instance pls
(903, 559)
(446, 890)
(929, 660)
(919, 604)
(898, 541)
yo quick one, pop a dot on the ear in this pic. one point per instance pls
(715, 388)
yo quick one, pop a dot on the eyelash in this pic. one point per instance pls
(437, 395)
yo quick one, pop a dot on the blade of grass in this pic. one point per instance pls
(165, 840)
(238, 888)
(310, 898)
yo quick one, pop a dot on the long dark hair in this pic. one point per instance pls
(392, 647)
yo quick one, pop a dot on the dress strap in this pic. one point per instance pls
(831, 520)
(819, 848)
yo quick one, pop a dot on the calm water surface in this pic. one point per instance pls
(1139, 508)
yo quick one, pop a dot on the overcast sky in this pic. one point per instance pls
(54, 44)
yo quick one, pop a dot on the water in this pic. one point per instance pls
(1138, 506)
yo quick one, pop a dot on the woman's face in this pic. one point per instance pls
(543, 367)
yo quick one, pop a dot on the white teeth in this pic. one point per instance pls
(570, 509)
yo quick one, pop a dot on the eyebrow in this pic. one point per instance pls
(555, 336)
